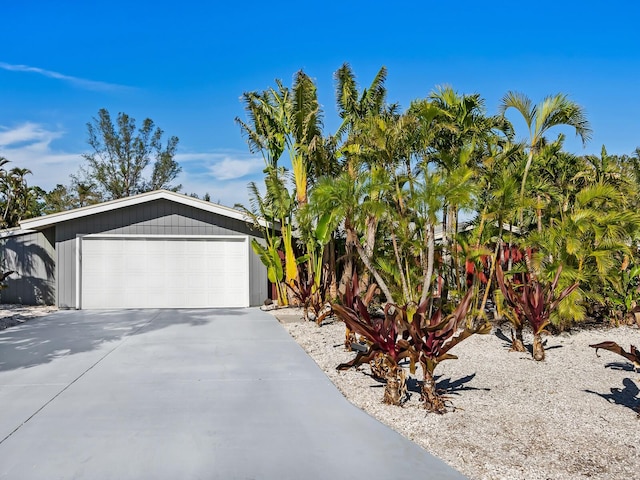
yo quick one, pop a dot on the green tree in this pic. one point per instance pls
(121, 154)
(18, 200)
(268, 132)
(552, 111)
(61, 198)
(359, 111)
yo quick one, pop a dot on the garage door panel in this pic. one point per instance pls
(162, 272)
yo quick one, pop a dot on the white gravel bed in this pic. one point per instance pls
(571, 416)
(11, 315)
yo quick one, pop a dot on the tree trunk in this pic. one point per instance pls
(369, 245)
(431, 253)
(403, 278)
(538, 349)
(492, 270)
(333, 279)
(353, 239)
(396, 387)
(347, 272)
(527, 167)
(539, 215)
(454, 249)
(517, 343)
(433, 402)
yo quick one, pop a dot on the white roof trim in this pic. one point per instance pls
(46, 220)
(14, 232)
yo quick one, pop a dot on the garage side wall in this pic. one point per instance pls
(32, 257)
(160, 217)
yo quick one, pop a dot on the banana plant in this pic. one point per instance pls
(270, 258)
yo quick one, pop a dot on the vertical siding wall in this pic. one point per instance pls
(32, 257)
(160, 217)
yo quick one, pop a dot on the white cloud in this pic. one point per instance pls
(27, 132)
(227, 193)
(29, 146)
(224, 166)
(223, 175)
(78, 82)
(231, 168)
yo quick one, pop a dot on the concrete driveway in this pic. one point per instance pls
(182, 394)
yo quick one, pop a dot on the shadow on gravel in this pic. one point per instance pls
(621, 366)
(459, 385)
(446, 385)
(627, 396)
(44, 339)
(500, 334)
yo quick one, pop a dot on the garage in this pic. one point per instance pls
(159, 249)
(163, 272)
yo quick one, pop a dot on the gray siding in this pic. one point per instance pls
(159, 217)
(32, 257)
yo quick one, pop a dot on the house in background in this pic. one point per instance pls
(154, 250)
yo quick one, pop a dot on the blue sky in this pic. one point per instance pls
(185, 64)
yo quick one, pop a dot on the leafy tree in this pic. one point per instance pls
(121, 156)
(58, 200)
(79, 194)
(359, 112)
(552, 111)
(18, 200)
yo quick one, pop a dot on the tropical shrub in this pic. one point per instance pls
(386, 348)
(349, 298)
(622, 295)
(633, 355)
(307, 294)
(431, 338)
(402, 334)
(533, 301)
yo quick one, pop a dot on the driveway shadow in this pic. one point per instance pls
(44, 339)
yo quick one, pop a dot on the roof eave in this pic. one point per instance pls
(55, 218)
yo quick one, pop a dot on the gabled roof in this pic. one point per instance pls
(55, 218)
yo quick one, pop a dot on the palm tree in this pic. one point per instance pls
(552, 111)
(589, 241)
(20, 200)
(353, 200)
(265, 128)
(357, 109)
(457, 134)
(354, 107)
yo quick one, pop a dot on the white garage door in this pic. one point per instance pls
(164, 272)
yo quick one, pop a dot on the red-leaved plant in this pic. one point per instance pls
(348, 299)
(534, 302)
(432, 338)
(386, 349)
(633, 355)
(307, 295)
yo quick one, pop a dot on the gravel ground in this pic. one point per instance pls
(11, 315)
(569, 417)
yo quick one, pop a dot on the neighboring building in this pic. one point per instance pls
(154, 250)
